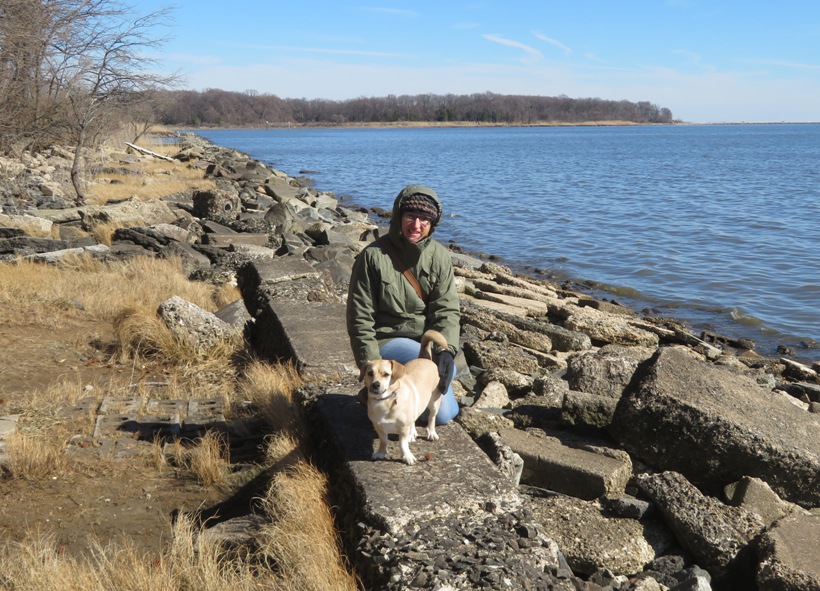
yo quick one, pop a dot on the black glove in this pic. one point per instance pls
(446, 365)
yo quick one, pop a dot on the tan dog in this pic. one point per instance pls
(397, 395)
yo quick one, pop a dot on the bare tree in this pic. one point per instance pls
(105, 67)
(68, 66)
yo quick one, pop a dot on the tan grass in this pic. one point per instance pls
(301, 538)
(271, 390)
(97, 289)
(35, 457)
(209, 460)
(147, 179)
(192, 562)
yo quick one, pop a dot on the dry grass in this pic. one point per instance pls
(83, 285)
(301, 520)
(209, 460)
(298, 548)
(35, 457)
(192, 562)
(146, 179)
(141, 334)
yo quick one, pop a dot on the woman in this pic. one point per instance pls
(386, 313)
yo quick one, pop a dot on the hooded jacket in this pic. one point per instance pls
(381, 303)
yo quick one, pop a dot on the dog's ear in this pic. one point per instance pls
(397, 369)
(363, 371)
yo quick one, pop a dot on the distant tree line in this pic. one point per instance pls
(215, 107)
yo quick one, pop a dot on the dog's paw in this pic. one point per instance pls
(409, 459)
(432, 435)
(378, 455)
(412, 436)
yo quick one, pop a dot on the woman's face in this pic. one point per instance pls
(414, 226)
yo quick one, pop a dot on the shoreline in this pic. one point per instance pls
(465, 124)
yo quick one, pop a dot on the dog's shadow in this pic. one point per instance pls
(353, 430)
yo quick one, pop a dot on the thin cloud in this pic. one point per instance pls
(510, 43)
(553, 42)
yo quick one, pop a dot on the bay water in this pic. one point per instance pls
(716, 225)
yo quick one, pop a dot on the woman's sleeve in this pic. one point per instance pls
(361, 310)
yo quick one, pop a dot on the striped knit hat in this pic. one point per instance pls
(421, 204)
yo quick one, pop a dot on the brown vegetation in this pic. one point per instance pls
(298, 548)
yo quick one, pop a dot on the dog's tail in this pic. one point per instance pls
(428, 339)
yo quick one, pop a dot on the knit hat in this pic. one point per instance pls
(421, 204)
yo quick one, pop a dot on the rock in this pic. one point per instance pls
(755, 496)
(32, 225)
(494, 395)
(569, 470)
(605, 328)
(478, 422)
(717, 535)
(715, 427)
(591, 541)
(193, 325)
(582, 410)
(127, 213)
(789, 555)
(515, 383)
(607, 371)
(488, 354)
(509, 462)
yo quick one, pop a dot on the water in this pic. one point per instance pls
(715, 225)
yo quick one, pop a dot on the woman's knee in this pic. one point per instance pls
(448, 409)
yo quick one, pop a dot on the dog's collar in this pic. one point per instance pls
(388, 397)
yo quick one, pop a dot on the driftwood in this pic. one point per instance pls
(148, 152)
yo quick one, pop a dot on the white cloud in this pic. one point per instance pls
(510, 43)
(553, 42)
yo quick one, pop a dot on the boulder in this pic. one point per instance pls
(569, 470)
(582, 410)
(714, 426)
(605, 372)
(591, 541)
(131, 212)
(32, 225)
(717, 535)
(494, 395)
(193, 325)
(789, 555)
(605, 328)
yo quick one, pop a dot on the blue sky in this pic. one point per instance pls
(707, 61)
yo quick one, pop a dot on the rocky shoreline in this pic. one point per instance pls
(652, 457)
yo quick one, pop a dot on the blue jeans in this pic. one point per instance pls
(402, 349)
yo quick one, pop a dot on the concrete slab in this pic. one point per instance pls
(576, 472)
(790, 558)
(226, 240)
(314, 335)
(495, 306)
(452, 476)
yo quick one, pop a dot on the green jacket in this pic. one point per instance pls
(381, 303)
